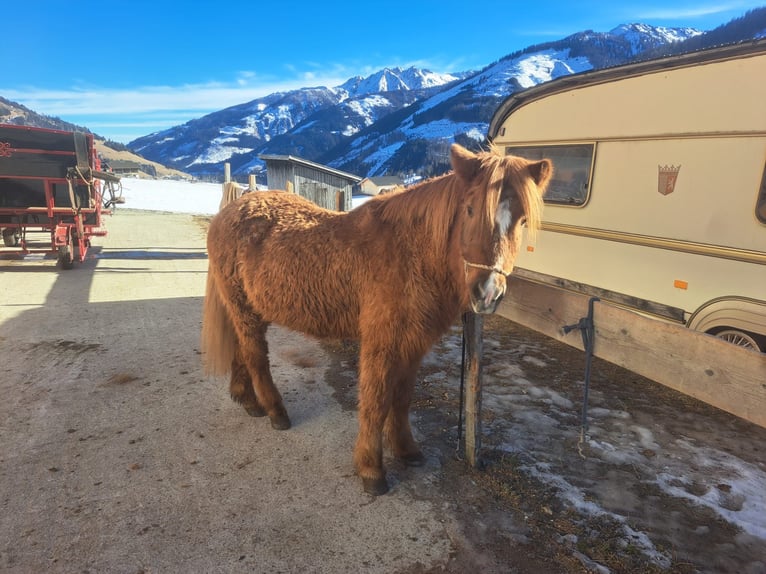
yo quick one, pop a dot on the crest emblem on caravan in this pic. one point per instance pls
(666, 178)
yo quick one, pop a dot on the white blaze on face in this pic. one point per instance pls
(494, 286)
(503, 217)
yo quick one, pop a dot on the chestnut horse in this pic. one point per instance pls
(395, 273)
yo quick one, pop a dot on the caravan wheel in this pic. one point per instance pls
(739, 338)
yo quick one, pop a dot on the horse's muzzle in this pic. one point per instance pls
(486, 295)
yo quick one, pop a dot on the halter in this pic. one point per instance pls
(494, 269)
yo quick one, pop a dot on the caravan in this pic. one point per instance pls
(658, 202)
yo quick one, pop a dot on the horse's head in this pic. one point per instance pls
(501, 194)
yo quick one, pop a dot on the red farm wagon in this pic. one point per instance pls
(52, 192)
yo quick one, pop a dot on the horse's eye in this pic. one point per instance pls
(469, 209)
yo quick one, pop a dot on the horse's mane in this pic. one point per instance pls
(432, 202)
(436, 200)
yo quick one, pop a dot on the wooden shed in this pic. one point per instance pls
(124, 167)
(377, 185)
(327, 187)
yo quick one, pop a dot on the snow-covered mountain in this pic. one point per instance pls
(461, 112)
(642, 37)
(393, 79)
(304, 122)
(402, 121)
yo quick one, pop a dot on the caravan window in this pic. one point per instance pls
(571, 174)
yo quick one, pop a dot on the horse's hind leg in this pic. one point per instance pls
(254, 355)
(241, 388)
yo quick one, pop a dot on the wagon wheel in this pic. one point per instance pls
(739, 338)
(11, 237)
(66, 253)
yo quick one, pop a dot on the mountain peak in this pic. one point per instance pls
(392, 79)
(650, 36)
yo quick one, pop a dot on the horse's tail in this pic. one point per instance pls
(218, 338)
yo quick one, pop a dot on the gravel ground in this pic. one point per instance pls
(118, 455)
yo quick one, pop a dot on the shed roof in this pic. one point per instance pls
(306, 163)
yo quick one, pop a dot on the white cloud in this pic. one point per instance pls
(142, 99)
(692, 10)
(146, 109)
(140, 110)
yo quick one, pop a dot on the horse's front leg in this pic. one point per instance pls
(397, 429)
(375, 396)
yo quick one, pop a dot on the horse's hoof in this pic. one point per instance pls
(413, 459)
(375, 486)
(280, 422)
(255, 411)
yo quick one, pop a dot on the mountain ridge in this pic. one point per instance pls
(395, 121)
(345, 126)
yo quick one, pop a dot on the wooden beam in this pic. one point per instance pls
(473, 382)
(699, 365)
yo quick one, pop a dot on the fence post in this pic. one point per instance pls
(226, 172)
(251, 182)
(474, 344)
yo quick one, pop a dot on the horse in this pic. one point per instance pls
(395, 274)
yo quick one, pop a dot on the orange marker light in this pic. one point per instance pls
(530, 248)
(678, 284)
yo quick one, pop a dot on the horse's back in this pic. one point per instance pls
(256, 216)
(285, 254)
(270, 206)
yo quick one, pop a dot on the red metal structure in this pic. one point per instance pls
(51, 183)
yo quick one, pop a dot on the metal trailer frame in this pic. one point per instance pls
(51, 183)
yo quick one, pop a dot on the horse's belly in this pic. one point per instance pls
(319, 312)
(325, 323)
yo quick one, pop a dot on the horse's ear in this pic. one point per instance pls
(464, 162)
(541, 172)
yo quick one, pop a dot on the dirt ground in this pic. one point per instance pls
(118, 455)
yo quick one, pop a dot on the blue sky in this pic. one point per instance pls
(129, 68)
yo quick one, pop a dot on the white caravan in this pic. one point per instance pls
(658, 202)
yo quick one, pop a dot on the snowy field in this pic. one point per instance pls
(169, 195)
(175, 196)
(659, 467)
(705, 464)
